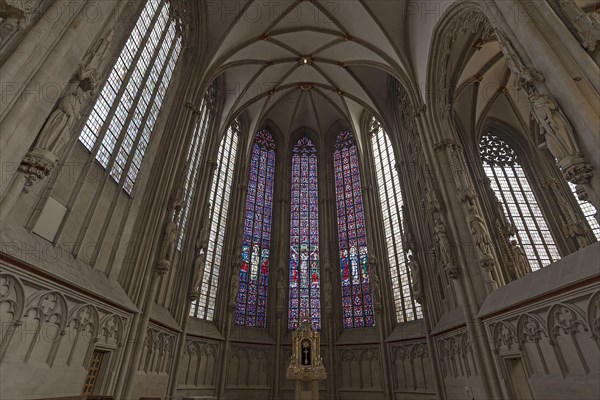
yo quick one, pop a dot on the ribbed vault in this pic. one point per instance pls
(486, 90)
(307, 63)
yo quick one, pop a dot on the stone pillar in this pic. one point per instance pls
(162, 266)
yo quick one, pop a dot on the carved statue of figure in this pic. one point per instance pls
(520, 259)
(57, 129)
(374, 279)
(415, 274)
(507, 226)
(169, 241)
(327, 292)
(203, 236)
(443, 246)
(480, 234)
(431, 201)
(199, 269)
(441, 239)
(557, 130)
(234, 280)
(281, 289)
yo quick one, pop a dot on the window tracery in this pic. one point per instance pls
(305, 275)
(254, 272)
(510, 184)
(357, 300)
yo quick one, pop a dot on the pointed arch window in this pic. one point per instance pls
(220, 193)
(510, 184)
(193, 161)
(254, 272)
(118, 129)
(305, 277)
(357, 302)
(390, 194)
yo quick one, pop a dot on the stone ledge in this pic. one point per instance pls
(579, 268)
(36, 256)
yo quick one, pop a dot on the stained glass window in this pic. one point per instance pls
(509, 182)
(220, 192)
(118, 129)
(254, 272)
(589, 211)
(304, 237)
(357, 302)
(390, 194)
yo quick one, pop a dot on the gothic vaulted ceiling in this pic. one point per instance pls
(305, 63)
(487, 91)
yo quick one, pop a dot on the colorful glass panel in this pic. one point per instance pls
(254, 272)
(357, 302)
(305, 279)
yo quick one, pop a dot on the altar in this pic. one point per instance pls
(306, 365)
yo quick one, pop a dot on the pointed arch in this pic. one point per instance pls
(357, 301)
(392, 205)
(254, 272)
(510, 184)
(220, 193)
(305, 275)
